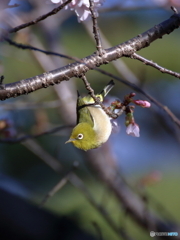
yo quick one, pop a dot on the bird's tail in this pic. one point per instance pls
(106, 90)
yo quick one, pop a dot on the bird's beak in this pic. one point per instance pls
(70, 140)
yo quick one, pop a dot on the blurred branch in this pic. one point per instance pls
(77, 69)
(149, 198)
(74, 180)
(55, 189)
(24, 46)
(54, 11)
(134, 205)
(34, 147)
(140, 90)
(26, 137)
(78, 183)
(98, 230)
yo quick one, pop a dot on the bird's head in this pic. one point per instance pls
(83, 136)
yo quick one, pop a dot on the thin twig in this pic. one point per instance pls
(97, 101)
(78, 183)
(95, 28)
(54, 11)
(133, 56)
(140, 90)
(60, 184)
(75, 181)
(33, 146)
(54, 190)
(29, 47)
(154, 65)
(120, 66)
(26, 137)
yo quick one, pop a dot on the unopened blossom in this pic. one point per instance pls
(142, 103)
(81, 7)
(133, 130)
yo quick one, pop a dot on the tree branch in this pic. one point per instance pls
(54, 11)
(26, 137)
(140, 90)
(154, 65)
(77, 69)
(129, 84)
(95, 29)
(132, 203)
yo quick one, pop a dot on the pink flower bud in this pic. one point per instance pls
(133, 130)
(142, 103)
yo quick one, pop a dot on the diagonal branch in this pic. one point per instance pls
(26, 137)
(54, 11)
(129, 84)
(77, 69)
(140, 90)
(29, 47)
(72, 178)
(132, 203)
(154, 65)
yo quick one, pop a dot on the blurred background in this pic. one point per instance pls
(152, 160)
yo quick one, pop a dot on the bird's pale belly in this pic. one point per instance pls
(102, 123)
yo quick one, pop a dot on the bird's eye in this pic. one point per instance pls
(80, 136)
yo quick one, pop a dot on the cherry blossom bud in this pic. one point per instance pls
(142, 103)
(133, 130)
(131, 95)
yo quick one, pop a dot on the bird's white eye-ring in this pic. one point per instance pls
(80, 136)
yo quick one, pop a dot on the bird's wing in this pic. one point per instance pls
(102, 94)
(106, 90)
(83, 113)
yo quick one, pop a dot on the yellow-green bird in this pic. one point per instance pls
(93, 124)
